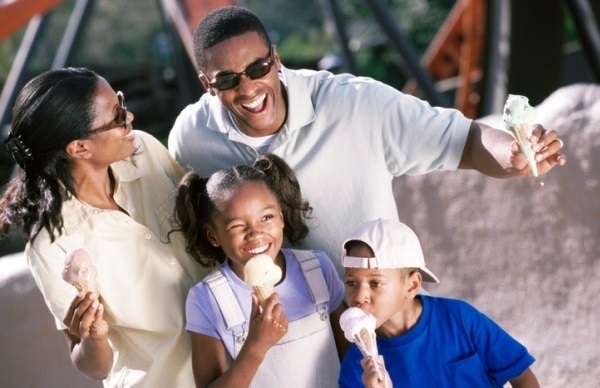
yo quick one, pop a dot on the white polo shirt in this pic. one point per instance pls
(345, 137)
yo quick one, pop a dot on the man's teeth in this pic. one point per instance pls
(258, 250)
(256, 103)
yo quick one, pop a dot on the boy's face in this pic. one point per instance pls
(385, 293)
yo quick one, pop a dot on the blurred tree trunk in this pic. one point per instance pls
(596, 8)
(535, 48)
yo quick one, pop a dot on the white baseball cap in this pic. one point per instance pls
(394, 244)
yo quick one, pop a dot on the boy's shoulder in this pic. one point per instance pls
(450, 307)
(446, 302)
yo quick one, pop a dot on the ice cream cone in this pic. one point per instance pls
(80, 272)
(359, 328)
(365, 340)
(518, 119)
(262, 274)
(262, 293)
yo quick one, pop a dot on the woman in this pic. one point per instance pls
(89, 181)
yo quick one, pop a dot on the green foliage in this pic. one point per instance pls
(8, 51)
(304, 35)
(126, 31)
(117, 34)
(419, 19)
(296, 27)
(306, 45)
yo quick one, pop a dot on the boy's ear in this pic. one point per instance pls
(414, 282)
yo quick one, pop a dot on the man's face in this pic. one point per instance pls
(258, 105)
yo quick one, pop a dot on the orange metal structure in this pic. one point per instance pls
(16, 13)
(456, 53)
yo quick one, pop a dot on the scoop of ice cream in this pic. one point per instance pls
(518, 111)
(519, 118)
(80, 272)
(262, 274)
(353, 320)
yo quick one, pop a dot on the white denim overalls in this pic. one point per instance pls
(306, 356)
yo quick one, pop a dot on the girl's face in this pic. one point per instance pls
(247, 223)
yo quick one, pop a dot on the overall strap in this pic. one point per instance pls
(315, 279)
(230, 308)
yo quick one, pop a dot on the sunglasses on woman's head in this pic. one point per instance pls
(120, 120)
(225, 81)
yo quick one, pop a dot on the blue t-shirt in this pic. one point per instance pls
(452, 345)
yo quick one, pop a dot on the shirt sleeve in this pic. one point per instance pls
(200, 311)
(161, 156)
(504, 357)
(184, 137)
(416, 137)
(174, 140)
(46, 262)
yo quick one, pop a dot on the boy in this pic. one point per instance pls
(425, 341)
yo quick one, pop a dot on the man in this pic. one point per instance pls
(336, 131)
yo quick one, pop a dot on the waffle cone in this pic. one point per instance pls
(262, 293)
(365, 340)
(522, 132)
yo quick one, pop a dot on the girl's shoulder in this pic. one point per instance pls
(328, 270)
(302, 255)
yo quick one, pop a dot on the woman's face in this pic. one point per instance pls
(110, 140)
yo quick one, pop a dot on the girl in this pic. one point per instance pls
(237, 213)
(87, 180)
